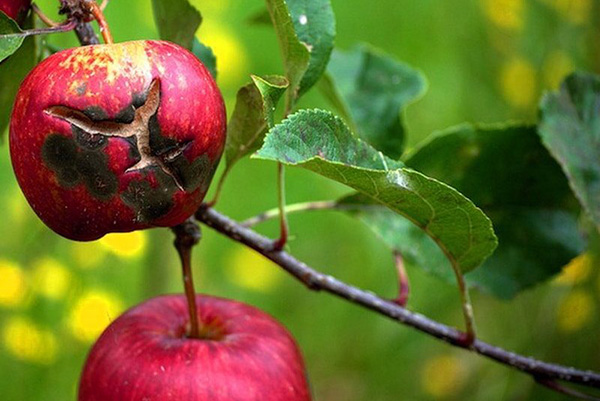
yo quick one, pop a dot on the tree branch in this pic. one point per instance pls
(539, 370)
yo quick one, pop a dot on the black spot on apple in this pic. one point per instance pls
(149, 202)
(58, 151)
(126, 116)
(74, 163)
(95, 113)
(89, 141)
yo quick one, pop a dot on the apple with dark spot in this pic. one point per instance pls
(116, 137)
(242, 354)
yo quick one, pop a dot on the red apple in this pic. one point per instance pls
(244, 355)
(15, 9)
(115, 138)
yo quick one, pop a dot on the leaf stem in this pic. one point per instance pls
(467, 308)
(294, 208)
(67, 26)
(283, 221)
(403, 281)
(187, 235)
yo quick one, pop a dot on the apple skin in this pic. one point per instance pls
(15, 9)
(145, 355)
(85, 184)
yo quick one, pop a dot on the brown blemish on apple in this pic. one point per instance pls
(138, 129)
(81, 158)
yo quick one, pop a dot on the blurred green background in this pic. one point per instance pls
(486, 61)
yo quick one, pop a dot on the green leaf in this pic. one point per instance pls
(399, 234)
(296, 56)
(177, 21)
(321, 142)
(9, 42)
(12, 72)
(252, 116)
(510, 175)
(570, 129)
(314, 23)
(371, 89)
(206, 55)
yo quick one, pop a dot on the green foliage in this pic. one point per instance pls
(296, 57)
(321, 142)
(9, 42)
(570, 129)
(206, 55)
(314, 24)
(12, 72)
(508, 173)
(177, 21)
(253, 115)
(370, 89)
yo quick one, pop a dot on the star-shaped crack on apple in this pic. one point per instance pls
(138, 129)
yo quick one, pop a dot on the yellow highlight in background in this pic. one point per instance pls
(250, 270)
(87, 255)
(210, 7)
(51, 278)
(230, 53)
(23, 339)
(557, 66)
(577, 271)
(13, 284)
(443, 376)
(575, 311)
(126, 245)
(507, 14)
(92, 313)
(518, 83)
(575, 11)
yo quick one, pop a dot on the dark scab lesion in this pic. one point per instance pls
(89, 141)
(126, 116)
(74, 164)
(59, 151)
(95, 113)
(191, 175)
(150, 203)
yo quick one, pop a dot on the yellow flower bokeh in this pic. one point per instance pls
(248, 269)
(28, 342)
(575, 311)
(229, 51)
(576, 12)
(443, 376)
(557, 66)
(126, 245)
(211, 7)
(92, 313)
(51, 278)
(518, 82)
(87, 255)
(13, 285)
(577, 271)
(507, 14)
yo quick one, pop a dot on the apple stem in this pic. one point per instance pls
(96, 11)
(187, 235)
